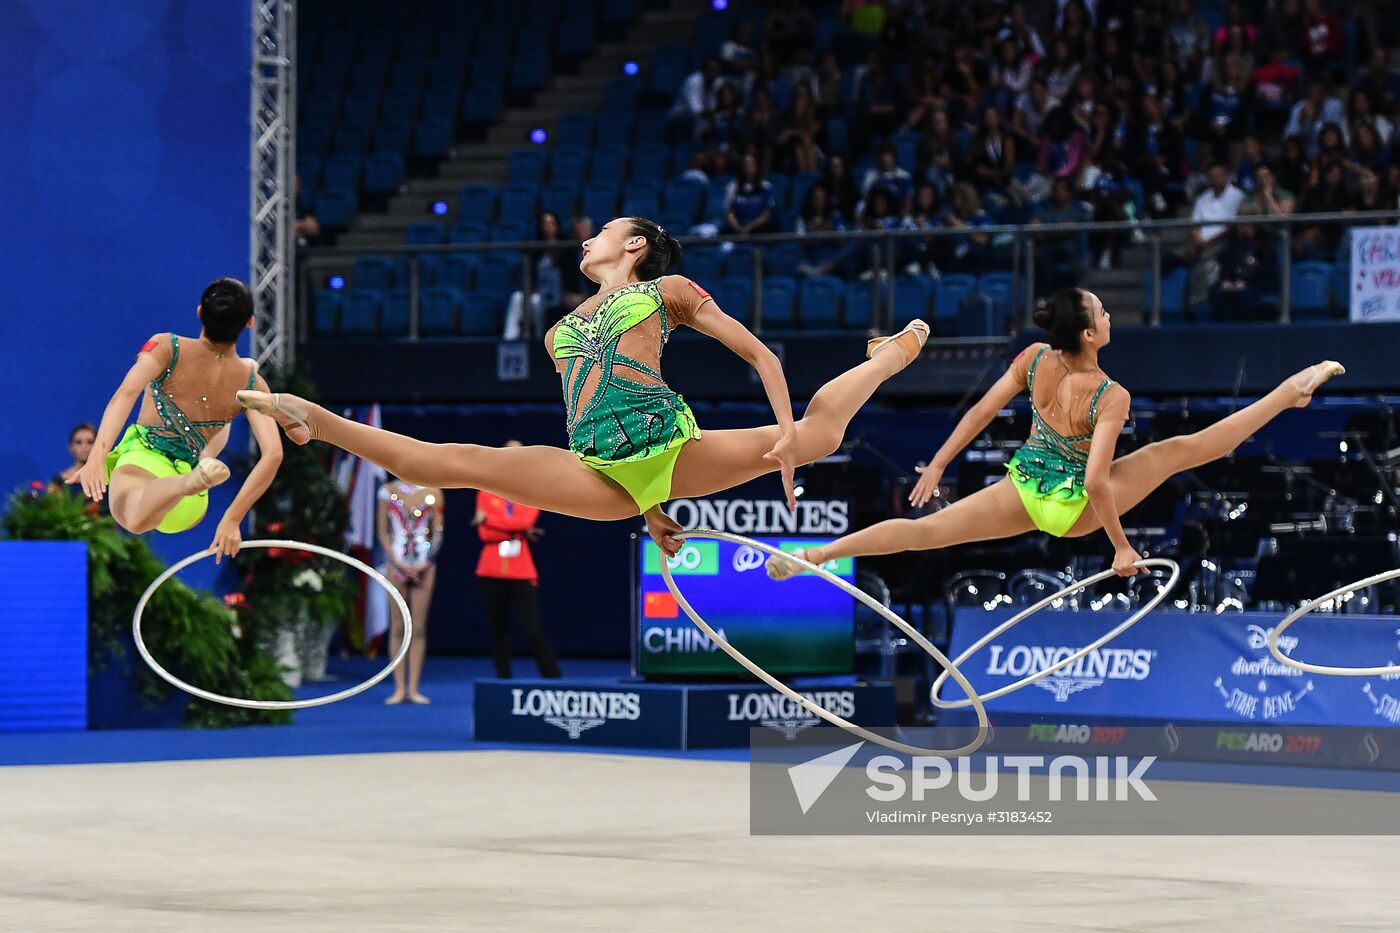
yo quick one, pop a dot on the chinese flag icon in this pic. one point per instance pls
(660, 606)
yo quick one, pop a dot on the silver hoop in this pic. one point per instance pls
(1306, 608)
(1021, 616)
(792, 694)
(364, 568)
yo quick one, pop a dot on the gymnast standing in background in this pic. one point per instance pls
(409, 526)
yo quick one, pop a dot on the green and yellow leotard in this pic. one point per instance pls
(1048, 470)
(623, 420)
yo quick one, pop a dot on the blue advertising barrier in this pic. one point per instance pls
(43, 626)
(1175, 667)
(660, 716)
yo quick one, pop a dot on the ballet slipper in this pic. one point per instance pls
(418, 699)
(208, 474)
(909, 342)
(290, 412)
(784, 568)
(393, 699)
(1308, 381)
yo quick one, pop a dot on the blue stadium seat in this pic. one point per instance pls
(783, 259)
(529, 70)
(407, 72)
(976, 317)
(391, 138)
(779, 303)
(641, 197)
(383, 173)
(618, 12)
(568, 164)
(735, 298)
(476, 203)
(519, 203)
(393, 314)
(440, 103)
(325, 311)
(359, 316)
(341, 171)
(782, 188)
(575, 37)
(600, 201)
(468, 233)
(1309, 283)
(911, 297)
(615, 129)
(499, 272)
(309, 170)
(458, 272)
(819, 302)
(667, 75)
(446, 72)
(1173, 294)
(372, 272)
(429, 268)
(947, 299)
(533, 38)
(400, 107)
(511, 231)
(574, 129)
(526, 164)
(482, 313)
(561, 199)
(425, 233)
(651, 160)
(336, 207)
(684, 197)
(651, 125)
(677, 224)
(360, 107)
(858, 307)
(481, 105)
(486, 70)
(432, 138)
(702, 264)
(997, 287)
(609, 163)
(906, 147)
(1339, 282)
(714, 199)
(738, 262)
(439, 312)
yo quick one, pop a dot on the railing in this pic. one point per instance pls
(1014, 249)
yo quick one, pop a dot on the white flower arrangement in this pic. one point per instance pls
(308, 579)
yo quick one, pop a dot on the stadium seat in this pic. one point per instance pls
(480, 105)
(600, 201)
(325, 312)
(359, 316)
(440, 103)
(1173, 295)
(432, 138)
(735, 298)
(911, 297)
(620, 95)
(857, 310)
(529, 70)
(526, 164)
(615, 129)
(499, 272)
(651, 161)
(738, 262)
(641, 197)
(575, 38)
(482, 313)
(574, 129)
(819, 302)
(383, 173)
(610, 163)
(468, 233)
(429, 269)
(779, 303)
(714, 199)
(458, 272)
(425, 233)
(947, 299)
(783, 259)
(702, 264)
(341, 171)
(476, 203)
(511, 231)
(373, 272)
(439, 312)
(781, 186)
(997, 287)
(519, 203)
(569, 164)
(684, 197)
(561, 199)
(976, 317)
(1309, 284)
(393, 314)
(391, 138)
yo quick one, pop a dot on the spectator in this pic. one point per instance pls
(1326, 193)
(1061, 68)
(1312, 113)
(409, 528)
(1294, 165)
(1159, 155)
(727, 124)
(739, 55)
(1220, 201)
(938, 153)
(992, 161)
(80, 441)
(1249, 262)
(1269, 198)
(828, 83)
(877, 101)
(1032, 108)
(791, 32)
(1378, 81)
(1323, 40)
(1331, 145)
(1367, 152)
(820, 215)
(749, 206)
(798, 140)
(845, 197)
(1235, 23)
(761, 132)
(1371, 196)
(1012, 77)
(1360, 112)
(966, 252)
(1060, 255)
(1188, 38)
(557, 285)
(308, 229)
(1061, 151)
(1019, 29)
(695, 100)
(508, 579)
(889, 176)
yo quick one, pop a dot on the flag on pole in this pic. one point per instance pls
(361, 481)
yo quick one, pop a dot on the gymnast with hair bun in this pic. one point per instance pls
(1064, 479)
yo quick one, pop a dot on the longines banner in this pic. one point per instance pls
(1193, 667)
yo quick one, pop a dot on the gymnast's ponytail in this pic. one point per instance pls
(1066, 315)
(663, 252)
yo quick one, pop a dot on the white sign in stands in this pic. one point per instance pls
(856, 593)
(364, 568)
(1374, 283)
(1383, 670)
(1066, 661)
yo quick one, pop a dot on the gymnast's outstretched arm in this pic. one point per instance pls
(970, 426)
(1112, 415)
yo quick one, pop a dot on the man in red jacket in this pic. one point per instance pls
(506, 574)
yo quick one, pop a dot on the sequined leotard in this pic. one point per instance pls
(623, 420)
(414, 524)
(1048, 470)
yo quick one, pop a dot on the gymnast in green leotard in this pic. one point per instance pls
(158, 476)
(633, 441)
(1064, 479)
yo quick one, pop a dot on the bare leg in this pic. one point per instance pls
(396, 636)
(988, 514)
(1142, 471)
(140, 500)
(419, 602)
(724, 459)
(546, 478)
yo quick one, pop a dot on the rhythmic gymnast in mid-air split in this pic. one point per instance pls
(159, 475)
(633, 442)
(1067, 463)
